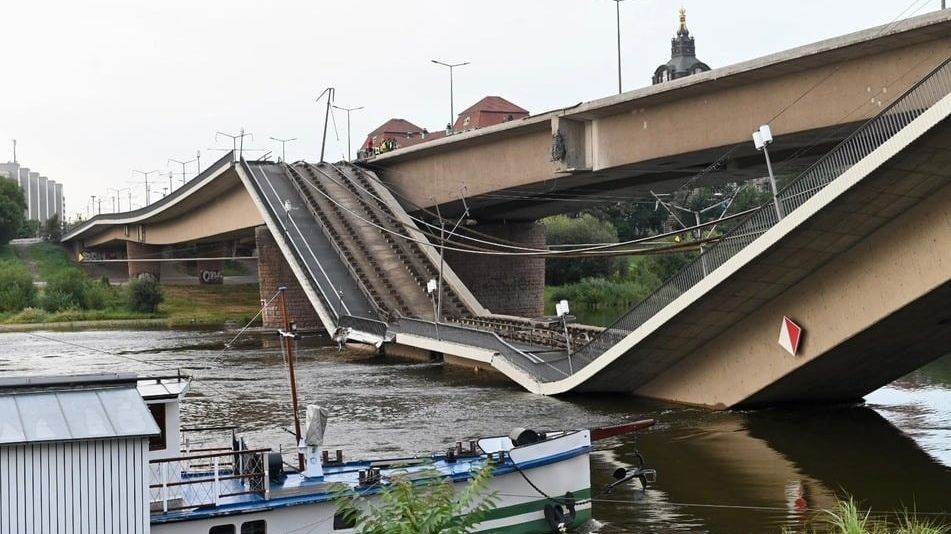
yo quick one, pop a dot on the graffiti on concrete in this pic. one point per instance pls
(208, 276)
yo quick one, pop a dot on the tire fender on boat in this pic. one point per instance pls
(560, 516)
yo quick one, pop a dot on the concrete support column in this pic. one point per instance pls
(212, 271)
(508, 285)
(274, 272)
(137, 251)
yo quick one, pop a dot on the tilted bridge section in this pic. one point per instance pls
(707, 335)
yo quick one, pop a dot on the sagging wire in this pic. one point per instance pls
(546, 254)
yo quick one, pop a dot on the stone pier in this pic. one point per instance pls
(274, 272)
(508, 285)
(141, 251)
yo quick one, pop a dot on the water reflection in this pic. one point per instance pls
(769, 468)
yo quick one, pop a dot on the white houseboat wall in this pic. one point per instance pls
(74, 455)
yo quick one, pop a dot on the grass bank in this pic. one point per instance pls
(71, 299)
(183, 306)
(849, 518)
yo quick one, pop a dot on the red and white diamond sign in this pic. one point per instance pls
(790, 334)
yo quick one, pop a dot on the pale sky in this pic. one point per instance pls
(94, 89)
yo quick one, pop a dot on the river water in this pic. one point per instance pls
(717, 471)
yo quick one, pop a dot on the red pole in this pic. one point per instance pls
(293, 377)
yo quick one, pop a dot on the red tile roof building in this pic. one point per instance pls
(400, 133)
(489, 111)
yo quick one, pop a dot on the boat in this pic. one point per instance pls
(541, 480)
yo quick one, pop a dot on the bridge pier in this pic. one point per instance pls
(141, 251)
(506, 285)
(274, 272)
(211, 272)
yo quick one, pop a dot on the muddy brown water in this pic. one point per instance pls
(757, 471)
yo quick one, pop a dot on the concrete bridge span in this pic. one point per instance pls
(856, 250)
(658, 136)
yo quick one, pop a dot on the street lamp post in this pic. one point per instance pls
(182, 163)
(146, 175)
(452, 107)
(117, 200)
(348, 110)
(235, 141)
(283, 142)
(762, 138)
(617, 5)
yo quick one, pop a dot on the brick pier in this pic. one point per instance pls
(508, 285)
(274, 272)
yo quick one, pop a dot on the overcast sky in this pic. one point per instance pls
(92, 90)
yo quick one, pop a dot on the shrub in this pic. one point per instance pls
(145, 295)
(102, 294)
(421, 507)
(65, 289)
(16, 287)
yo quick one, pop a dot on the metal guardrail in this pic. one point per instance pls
(195, 480)
(932, 88)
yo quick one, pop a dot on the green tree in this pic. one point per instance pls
(52, 229)
(561, 230)
(12, 207)
(421, 507)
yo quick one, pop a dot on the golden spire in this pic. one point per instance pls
(683, 21)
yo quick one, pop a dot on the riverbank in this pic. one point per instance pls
(184, 306)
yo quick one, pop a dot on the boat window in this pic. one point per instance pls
(254, 527)
(157, 443)
(221, 529)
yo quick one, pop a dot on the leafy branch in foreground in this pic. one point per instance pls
(426, 506)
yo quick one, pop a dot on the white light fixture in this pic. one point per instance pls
(431, 286)
(761, 139)
(561, 308)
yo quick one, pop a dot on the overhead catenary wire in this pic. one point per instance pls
(546, 253)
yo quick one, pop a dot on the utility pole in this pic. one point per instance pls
(14, 150)
(146, 175)
(442, 249)
(182, 163)
(198, 159)
(617, 5)
(117, 200)
(237, 141)
(348, 110)
(452, 108)
(330, 99)
(283, 142)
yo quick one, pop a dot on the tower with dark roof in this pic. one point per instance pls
(683, 56)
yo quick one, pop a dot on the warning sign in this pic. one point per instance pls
(790, 334)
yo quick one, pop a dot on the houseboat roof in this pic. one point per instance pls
(69, 408)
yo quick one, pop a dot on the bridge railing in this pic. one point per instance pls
(932, 88)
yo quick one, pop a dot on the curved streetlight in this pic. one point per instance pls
(348, 110)
(452, 109)
(283, 142)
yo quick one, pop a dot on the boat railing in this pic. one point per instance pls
(195, 440)
(185, 482)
